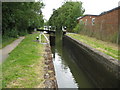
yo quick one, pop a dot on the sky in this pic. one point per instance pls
(94, 7)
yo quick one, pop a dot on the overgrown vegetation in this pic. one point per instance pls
(96, 32)
(24, 66)
(105, 47)
(19, 18)
(78, 28)
(66, 15)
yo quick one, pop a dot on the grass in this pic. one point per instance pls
(6, 41)
(24, 66)
(105, 47)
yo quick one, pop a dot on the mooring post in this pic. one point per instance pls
(37, 38)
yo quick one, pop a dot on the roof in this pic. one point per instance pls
(85, 16)
(105, 12)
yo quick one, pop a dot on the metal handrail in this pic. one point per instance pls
(41, 33)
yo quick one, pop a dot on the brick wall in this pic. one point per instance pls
(105, 26)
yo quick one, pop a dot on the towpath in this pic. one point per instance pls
(4, 52)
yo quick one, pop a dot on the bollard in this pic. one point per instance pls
(37, 38)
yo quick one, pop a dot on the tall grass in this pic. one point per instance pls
(96, 32)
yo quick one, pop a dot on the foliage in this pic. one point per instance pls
(19, 18)
(79, 27)
(66, 15)
(99, 34)
(24, 66)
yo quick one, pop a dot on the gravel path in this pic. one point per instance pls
(4, 52)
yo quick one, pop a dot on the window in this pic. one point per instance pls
(93, 21)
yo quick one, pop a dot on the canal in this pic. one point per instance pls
(68, 74)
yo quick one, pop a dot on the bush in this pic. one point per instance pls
(13, 33)
(79, 27)
(114, 38)
(22, 33)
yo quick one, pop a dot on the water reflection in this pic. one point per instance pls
(64, 76)
(68, 74)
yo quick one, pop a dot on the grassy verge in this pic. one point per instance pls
(24, 67)
(7, 41)
(105, 47)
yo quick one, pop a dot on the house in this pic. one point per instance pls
(87, 19)
(106, 24)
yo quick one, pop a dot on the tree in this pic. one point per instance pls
(19, 18)
(66, 15)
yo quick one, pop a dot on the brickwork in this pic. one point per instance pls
(104, 25)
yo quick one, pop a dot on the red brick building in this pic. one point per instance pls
(103, 26)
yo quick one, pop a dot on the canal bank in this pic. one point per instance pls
(49, 76)
(82, 66)
(103, 70)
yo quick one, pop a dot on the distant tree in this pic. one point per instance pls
(45, 23)
(66, 15)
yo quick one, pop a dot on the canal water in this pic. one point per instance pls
(68, 74)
